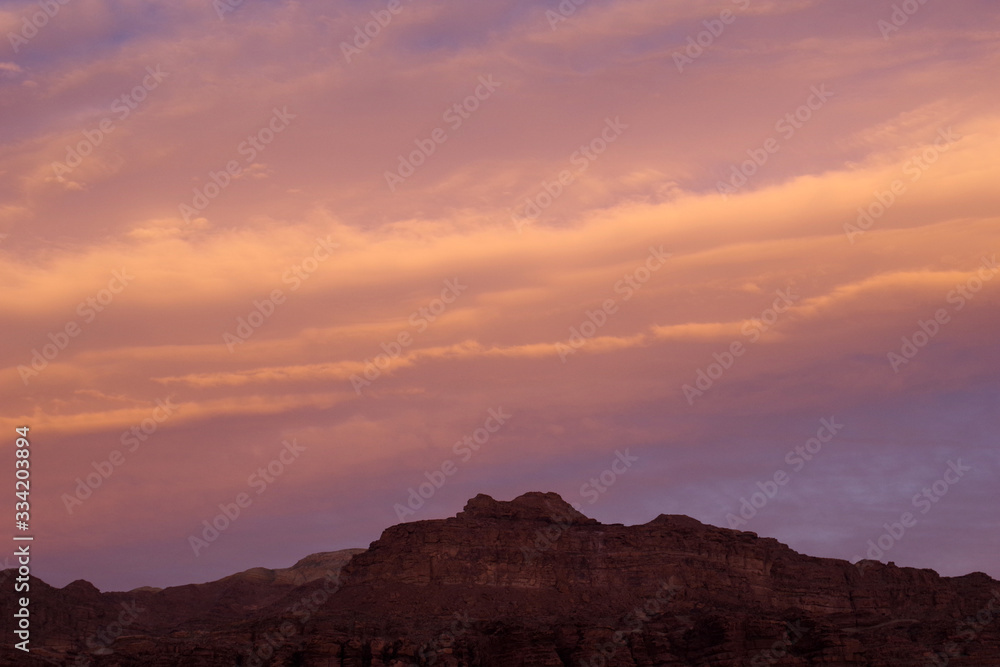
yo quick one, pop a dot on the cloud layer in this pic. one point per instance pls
(686, 234)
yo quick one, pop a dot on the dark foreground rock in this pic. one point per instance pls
(534, 582)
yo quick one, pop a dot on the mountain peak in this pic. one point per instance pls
(531, 506)
(532, 581)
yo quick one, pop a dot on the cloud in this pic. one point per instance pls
(307, 211)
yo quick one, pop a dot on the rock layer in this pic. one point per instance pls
(535, 582)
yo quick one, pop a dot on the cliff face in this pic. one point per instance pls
(79, 625)
(560, 587)
(534, 582)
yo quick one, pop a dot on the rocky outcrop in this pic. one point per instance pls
(78, 624)
(534, 582)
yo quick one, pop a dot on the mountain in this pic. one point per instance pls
(533, 581)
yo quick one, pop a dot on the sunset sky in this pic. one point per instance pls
(607, 236)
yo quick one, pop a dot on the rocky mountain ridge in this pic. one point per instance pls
(533, 581)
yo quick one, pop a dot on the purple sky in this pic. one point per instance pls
(634, 229)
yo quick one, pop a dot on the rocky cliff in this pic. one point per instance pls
(534, 582)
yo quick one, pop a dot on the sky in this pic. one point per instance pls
(279, 275)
